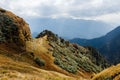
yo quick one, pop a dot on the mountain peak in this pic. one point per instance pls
(115, 31)
(50, 35)
(118, 27)
(45, 32)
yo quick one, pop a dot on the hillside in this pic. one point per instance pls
(14, 66)
(112, 73)
(46, 57)
(73, 56)
(108, 45)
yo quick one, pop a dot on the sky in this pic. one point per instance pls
(104, 10)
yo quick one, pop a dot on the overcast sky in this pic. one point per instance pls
(105, 10)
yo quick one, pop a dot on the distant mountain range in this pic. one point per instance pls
(108, 45)
(70, 28)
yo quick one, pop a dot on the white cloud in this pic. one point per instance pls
(113, 18)
(105, 10)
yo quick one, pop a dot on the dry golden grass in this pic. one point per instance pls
(14, 66)
(111, 73)
(15, 70)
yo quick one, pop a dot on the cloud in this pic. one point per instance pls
(113, 18)
(81, 9)
(96, 8)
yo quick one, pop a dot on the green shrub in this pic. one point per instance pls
(71, 57)
(39, 61)
(69, 66)
(72, 69)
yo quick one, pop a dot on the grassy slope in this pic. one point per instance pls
(40, 47)
(112, 73)
(21, 66)
(14, 69)
(11, 70)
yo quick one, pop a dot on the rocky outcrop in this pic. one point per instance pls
(13, 29)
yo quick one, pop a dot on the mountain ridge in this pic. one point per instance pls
(102, 43)
(76, 28)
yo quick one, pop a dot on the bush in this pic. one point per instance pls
(39, 61)
(71, 69)
(70, 66)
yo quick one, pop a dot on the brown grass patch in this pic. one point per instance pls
(111, 73)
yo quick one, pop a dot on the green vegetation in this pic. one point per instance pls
(39, 61)
(71, 57)
(70, 66)
(8, 29)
